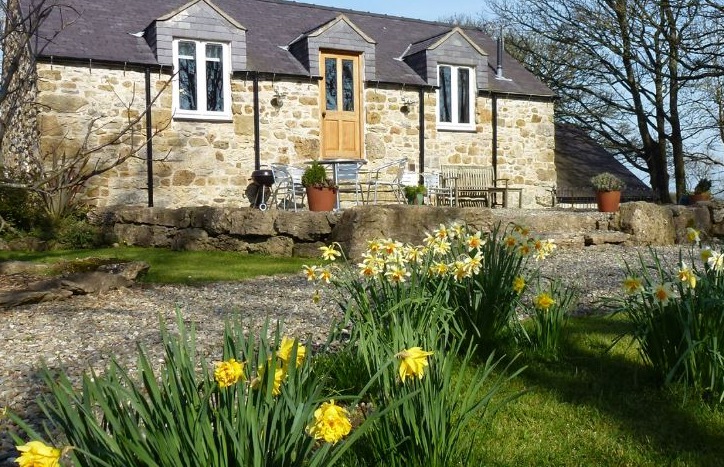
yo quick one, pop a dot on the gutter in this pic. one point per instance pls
(257, 142)
(149, 139)
(494, 118)
(421, 137)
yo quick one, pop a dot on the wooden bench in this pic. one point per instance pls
(470, 183)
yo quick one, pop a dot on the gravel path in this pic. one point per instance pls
(85, 331)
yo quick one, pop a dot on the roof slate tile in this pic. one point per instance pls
(103, 31)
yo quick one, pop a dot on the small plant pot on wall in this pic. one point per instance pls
(321, 198)
(696, 197)
(608, 201)
(608, 191)
(415, 194)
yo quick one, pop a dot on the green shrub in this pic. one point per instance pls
(438, 404)
(258, 407)
(678, 318)
(20, 207)
(551, 306)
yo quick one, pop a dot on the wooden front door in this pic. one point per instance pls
(341, 106)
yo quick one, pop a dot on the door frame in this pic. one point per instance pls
(358, 92)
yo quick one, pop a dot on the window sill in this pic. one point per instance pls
(200, 116)
(452, 127)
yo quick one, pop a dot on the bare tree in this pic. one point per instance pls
(57, 175)
(627, 71)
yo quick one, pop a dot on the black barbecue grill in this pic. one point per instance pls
(264, 179)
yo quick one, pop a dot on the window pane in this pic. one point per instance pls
(348, 85)
(187, 75)
(214, 78)
(330, 82)
(463, 95)
(445, 103)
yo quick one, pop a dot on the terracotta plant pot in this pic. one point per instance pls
(696, 197)
(608, 201)
(321, 199)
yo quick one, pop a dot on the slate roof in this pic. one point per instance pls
(105, 30)
(578, 157)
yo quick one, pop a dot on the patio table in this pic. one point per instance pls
(334, 164)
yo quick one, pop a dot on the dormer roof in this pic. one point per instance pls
(107, 31)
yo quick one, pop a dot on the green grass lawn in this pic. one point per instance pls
(599, 407)
(176, 266)
(594, 406)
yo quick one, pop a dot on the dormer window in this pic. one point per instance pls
(201, 87)
(456, 98)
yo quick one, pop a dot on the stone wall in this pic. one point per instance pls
(209, 163)
(284, 233)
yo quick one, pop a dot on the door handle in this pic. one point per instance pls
(324, 114)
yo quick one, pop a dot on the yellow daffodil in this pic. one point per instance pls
(459, 271)
(38, 454)
(229, 373)
(543, 248)
(441, 233)
(429, 240)
(397, 274)
(441, 247)
(523, 231)
(692, 235)
(310, 272)
(687, 276)
(663, 293)
(439, 269)
(543, 301)
(367, 270)
(330, 253)
(474, 241)
(390, 247)
(413, 254)
(510, 241)
(705, 255)
(524, 249)
(474, 264)
(456, 230)
(325, 275)
(285, 351)
(413, 362)
(279, 375)
(632, 285)
(518, 284)
(373, 246)
(716, 261)
(331, 423)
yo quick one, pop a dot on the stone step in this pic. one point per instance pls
(587, 238)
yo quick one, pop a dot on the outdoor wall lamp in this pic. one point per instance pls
(278, 99)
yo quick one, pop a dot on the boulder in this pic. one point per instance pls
(309, 227)
(23, 267)
(108, 277)
(696, 216)
(648, 223)
(407, 224)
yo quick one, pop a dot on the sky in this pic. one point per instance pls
(431, 10)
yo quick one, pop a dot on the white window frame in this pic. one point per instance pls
(455, 125)
(202, 113)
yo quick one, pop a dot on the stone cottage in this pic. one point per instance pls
(233, 85)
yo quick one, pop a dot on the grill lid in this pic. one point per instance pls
(263, 177)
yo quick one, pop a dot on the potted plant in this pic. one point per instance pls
(608, 191)
(702, 191)
(321, 190)
(415, 194)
